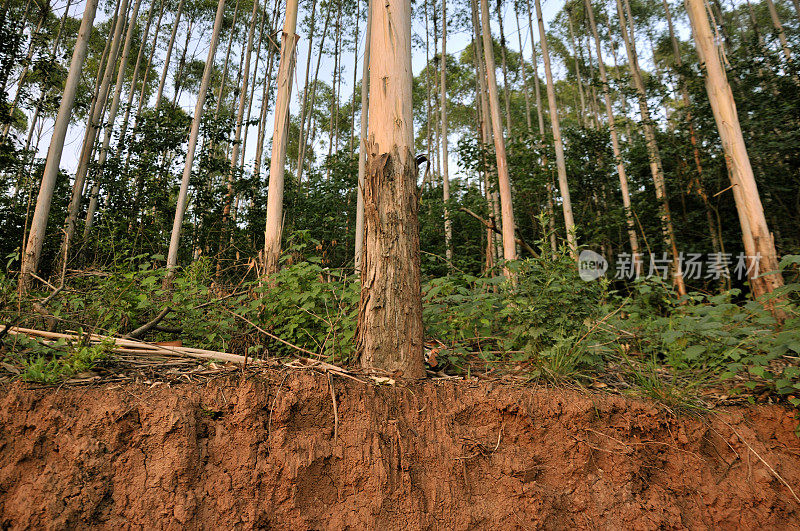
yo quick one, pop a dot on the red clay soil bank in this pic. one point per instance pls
(452, 455)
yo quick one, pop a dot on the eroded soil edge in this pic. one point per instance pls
(265, 452)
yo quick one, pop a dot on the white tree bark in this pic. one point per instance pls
(277, 168)
(623, 177)
(751, 211)
(561, 167)
(448, 224)
(180, 208)
(362, 150)
(33, 249)
(162, 81)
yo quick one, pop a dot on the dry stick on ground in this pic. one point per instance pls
(142, 347)
(493, 227)
(142, 330)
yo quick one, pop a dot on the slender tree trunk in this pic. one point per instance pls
(390, 332)
(40, 100)
(112, 116)
(226, 210)
(168, 55)
(362, 150)
(504, 64)
(524, 73)
(303, 105)
(584, 117)
(776, 23)
(182, 63)
(95, 119)
(623, 178)
(486, 134)
(751, 211)
(504, 182)
(262, 121)
(652, 148)
(301, 159)
(180, 207)
(274, 226)
(561, 167)
(224, 80)
(448, 224)
(135, 78)
(27, 61)
(33, 249)
(253, 84)
(351, 146)
(551, 218)
(334, 85)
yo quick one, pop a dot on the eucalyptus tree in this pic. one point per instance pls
(759, 241)
(448, 224)
(561, 166)
(654, 156)
(33, 248)
(362, 149)
(274, 224)
(168, 55)
(180, 207)
(623, 177)
(504, 182)
(93, 123)
(390, 330)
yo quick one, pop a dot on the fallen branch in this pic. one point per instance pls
(493, 226)
(142, 330)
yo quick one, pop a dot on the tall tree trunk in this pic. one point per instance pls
(180, 207)
(776, 23)
(40, 100)
(301, 158)
(390, 332)
(95, 119)
(226, 210)
(182, 63)
(253, 84)
(362, 150)
(623, 178)
(135, 78)
(112, 116)
(168, 55)
(504, 182)
(524, 73)
(303, 105)
(355, 82)
(274, 226)
(448, 224)
(33, 249)
(504, 65)
(561, 167)
(656, 168)
(485, 131)
(224, 79)
(751, 211)
(262, 121)
(27, 61)
(584, 117)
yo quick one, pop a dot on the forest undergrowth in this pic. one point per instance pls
(551, 327)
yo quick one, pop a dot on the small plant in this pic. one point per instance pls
(52, 362)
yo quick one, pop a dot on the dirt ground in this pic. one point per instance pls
(275, 450)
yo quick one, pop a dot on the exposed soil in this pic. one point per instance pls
(266, 451)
